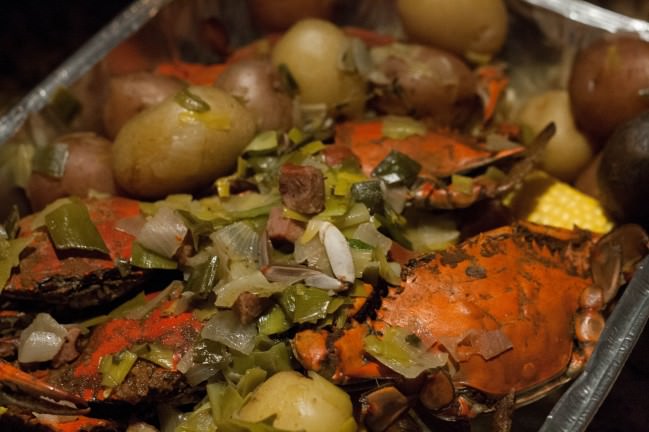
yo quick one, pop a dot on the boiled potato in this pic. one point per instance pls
(306, 404)
(256, 84)
(181, 144)
(88, 167)
(430, 82)
(568, 151)
(466, 27)
(132, 93)
(608, 82)
(279, 15)
(312, 51)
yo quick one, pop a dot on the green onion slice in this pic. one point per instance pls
(51, 160)
(114, 368)
(191, 101)
(144, 258)
(398, 127)
(70, 227)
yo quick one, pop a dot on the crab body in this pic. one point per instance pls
(517, 309)
(441, 154)
(77, 280)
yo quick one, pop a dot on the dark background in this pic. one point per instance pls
(37, 35)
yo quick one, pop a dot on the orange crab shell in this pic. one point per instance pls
(41, 262)
(440, 153)
(510, 281)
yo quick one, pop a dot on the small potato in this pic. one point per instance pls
(301, 404)
(88, 167)
(132, 93)
(465, 27)
(172, 148)
(256, 84)
(608, 82)
(568, 151)
(279, 15)
(423, 81)
(312, 50)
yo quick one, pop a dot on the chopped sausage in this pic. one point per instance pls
(302, 188)
(283, 230)
(68, 351)
(249, 307)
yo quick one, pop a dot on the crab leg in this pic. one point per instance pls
(24, 390)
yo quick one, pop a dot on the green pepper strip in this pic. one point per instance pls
(70, 227)
(368, 193)
(304, 304)
(397, 168)
(144, 258)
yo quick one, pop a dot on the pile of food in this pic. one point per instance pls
(332, 229)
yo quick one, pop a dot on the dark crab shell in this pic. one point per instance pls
(77, 280)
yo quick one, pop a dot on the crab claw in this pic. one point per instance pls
(26, 391)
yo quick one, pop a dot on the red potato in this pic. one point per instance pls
(88, 167)
(255, 83)
(608, 83)
(131, 94)
(422, 81)
(279, 15)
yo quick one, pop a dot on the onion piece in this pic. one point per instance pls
(396, 351)
(338, 252)
(238, 241)
(41, 340)
(254, 283)
(225, 327)
(313, 253)
(486, 343)
(324, 281)
(367, 233)
(163, 233)
(131, 225)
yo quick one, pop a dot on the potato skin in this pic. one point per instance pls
(255, 83)
(430, 81)
(169, 149)
(569, 151)
(623, 174)
(279, 15)
(129, 94)
(89, 166)
(606, 81)
(460, 26)
(311, 50)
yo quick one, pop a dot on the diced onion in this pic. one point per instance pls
(313, 253)
(163, 233)
(238, 241)
(131, 225)
(367, 233)
(225, 327)
(41, 340)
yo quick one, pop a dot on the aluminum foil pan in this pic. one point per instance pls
(565, 24)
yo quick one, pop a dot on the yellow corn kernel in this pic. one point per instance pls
(545, 200)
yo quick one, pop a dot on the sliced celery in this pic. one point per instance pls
(203, 277)
(114, 368)
(10, 251)
(224, 399)
(398, 127)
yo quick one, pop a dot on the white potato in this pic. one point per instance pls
(568, 151)
(169, 149)
(312, 51)
(307, 404)
(462, 26)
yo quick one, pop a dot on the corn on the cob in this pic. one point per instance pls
(545, 200)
